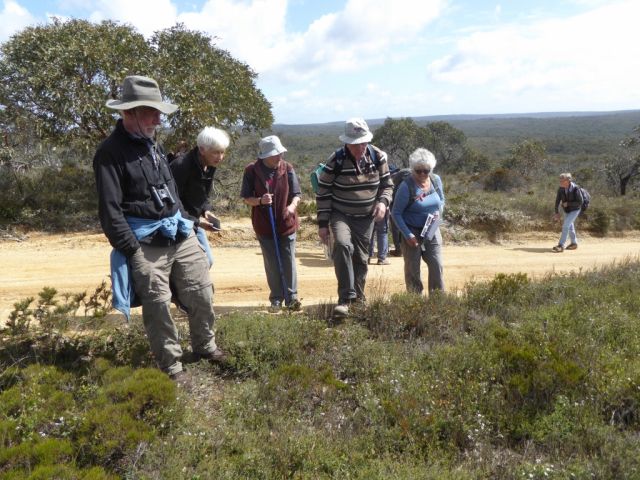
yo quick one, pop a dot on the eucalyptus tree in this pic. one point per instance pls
(625, 165)
(527, 157)
(399, 138)
(209, 85)
(56, 78)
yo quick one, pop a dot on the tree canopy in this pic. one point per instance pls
(625, 164)
(56, 78)
(399, 138)
(527, 157)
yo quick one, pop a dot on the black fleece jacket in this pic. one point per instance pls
(125, 170)
(194, 183)
(571, 196)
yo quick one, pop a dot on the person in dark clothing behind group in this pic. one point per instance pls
(194, 173)
(570, 197)
(154, 243)
(397, 177)
(271, 187)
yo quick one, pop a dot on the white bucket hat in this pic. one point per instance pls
(270, 146)
(138, 91)
(356, 130)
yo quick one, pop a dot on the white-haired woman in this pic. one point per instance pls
(570, 196)
(194, 173)
(420, 197)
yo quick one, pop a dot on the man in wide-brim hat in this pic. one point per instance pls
(155, 246)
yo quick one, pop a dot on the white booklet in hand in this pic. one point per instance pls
(431, 225)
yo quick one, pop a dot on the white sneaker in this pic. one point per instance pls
(340, 311)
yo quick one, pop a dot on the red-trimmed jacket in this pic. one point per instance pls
(282, 196)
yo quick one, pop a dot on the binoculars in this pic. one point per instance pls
(160, 194)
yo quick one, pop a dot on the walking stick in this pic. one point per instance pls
(285, 289)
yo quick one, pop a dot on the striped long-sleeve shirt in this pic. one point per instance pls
(356, 189)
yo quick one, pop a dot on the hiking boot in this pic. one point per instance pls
(558, 249)
(385, 261)
(573, 246)
(294, 305)
(275, 306)
(182, 379)
(340, 311)
(217, 356)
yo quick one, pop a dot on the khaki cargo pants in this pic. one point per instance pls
(186, 268)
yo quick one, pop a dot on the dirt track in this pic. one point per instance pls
(77, 262)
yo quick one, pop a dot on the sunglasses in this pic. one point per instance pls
(420, 171)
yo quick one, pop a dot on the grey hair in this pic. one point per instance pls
(211, 138)
(422, 157)
(566, 176)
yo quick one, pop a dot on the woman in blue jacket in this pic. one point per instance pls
(419, 198)
(570, 196)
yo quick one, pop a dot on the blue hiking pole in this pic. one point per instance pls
(285, 289)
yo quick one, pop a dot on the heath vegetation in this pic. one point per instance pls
(510, 378)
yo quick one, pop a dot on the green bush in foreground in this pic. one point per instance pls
(54, 424)
(511, 379)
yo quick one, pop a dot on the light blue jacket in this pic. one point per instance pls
(123, 293)
(413, 216)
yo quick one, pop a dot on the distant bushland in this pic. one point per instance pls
(504, 168)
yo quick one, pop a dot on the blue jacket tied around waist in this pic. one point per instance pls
(124, 297)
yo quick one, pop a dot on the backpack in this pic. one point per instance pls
(340, 155)
(586, 198)
(404, 176)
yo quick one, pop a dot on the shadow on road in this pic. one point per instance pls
(533, 249)
(313, 259)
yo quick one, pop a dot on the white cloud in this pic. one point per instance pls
(13, 18)
(587, 59)
(252, 31)
(146, 15)
(361, 35)
(355, 37)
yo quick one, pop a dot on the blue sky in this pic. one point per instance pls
(327, 60)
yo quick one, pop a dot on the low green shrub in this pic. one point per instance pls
(54, 423)
(506, 294)
(599, 221)
(51, 198)
(503, 180)
(438, 317)
(505, 379)
(487, 213)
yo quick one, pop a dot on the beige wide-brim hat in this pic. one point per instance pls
(356, 131)
(270, 146)
(138, 91)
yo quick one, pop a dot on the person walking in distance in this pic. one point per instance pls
(142, 216)
(570, 197)
(271, 188)
(354, 191)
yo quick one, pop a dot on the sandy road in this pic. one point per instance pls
(78, 262)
